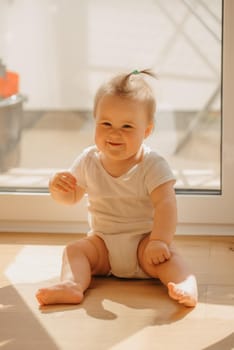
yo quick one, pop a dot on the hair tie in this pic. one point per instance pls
(135, 72)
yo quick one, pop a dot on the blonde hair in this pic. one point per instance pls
(130, 86)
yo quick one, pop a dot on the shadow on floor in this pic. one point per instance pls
(113, 311)
(224, 344)
(147, 295)
(19, 327)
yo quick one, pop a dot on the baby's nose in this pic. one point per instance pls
(115, 132)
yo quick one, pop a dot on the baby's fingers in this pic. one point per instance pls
(64, 182)
(63, 186)
(68, 181)
(159, 260)
(167, 254)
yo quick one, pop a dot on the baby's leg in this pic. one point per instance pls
(173, 273)
(81, 260)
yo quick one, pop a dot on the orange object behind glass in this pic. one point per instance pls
(9, 84)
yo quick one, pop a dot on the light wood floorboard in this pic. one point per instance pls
(116, 314)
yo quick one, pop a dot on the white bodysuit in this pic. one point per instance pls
(120, 209)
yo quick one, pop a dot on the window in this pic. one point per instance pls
(181, 40)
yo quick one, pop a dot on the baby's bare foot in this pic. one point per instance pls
(185, 292)
(66, 292)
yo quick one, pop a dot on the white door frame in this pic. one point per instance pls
(219, 209)
(209, 214)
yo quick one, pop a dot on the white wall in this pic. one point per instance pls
(63, 49)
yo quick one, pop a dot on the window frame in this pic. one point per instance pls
(197, 213)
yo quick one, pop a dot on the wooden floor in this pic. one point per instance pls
(116, 314)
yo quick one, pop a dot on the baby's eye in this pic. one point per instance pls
(127, 126)
(106, 124)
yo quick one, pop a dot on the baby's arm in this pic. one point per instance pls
(164, 227)
(64, 189)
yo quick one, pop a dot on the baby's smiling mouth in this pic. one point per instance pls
(114, 143)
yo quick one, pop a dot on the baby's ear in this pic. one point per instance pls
(149, 129)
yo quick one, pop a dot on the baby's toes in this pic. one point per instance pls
(175, 292)
(188, 300)
(39, 296)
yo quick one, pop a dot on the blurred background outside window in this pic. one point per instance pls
(55, 53)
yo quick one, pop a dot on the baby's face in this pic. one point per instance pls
(121, 127)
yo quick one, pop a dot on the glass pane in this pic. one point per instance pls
(62, 53)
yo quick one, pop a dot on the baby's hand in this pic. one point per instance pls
(63, 182)
(157, 252)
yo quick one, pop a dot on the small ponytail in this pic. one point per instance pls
(132, 86)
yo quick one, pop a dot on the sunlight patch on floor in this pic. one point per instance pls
(5, 342)
(34, 264)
